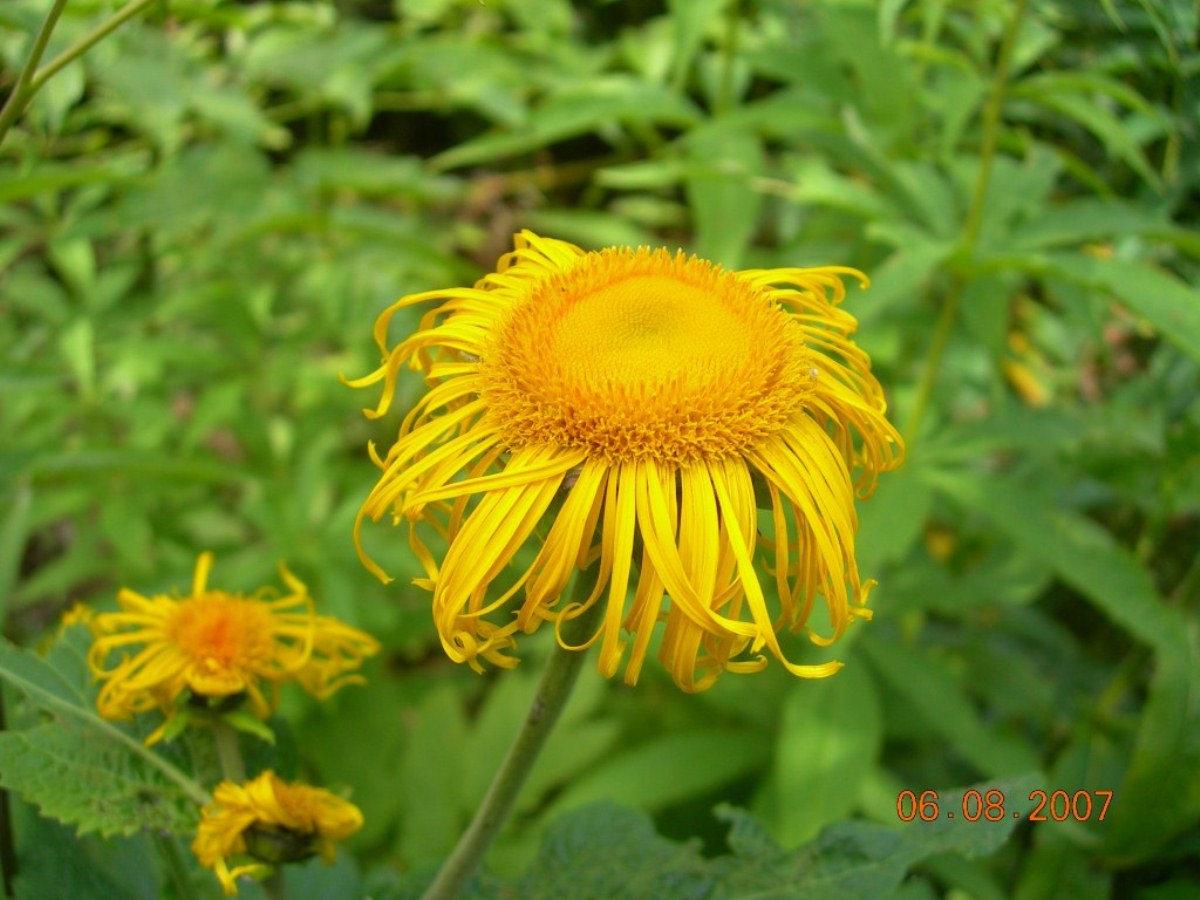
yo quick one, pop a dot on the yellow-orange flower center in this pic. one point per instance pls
(220, 633)
(644, 355)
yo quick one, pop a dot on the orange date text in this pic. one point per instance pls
(992, 806)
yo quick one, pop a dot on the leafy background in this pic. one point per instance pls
(201, 219)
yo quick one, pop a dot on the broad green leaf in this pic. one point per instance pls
(829, 738)
(430, 778)
(1159, 797)
(934, 691)
(1083, 553)
(891, 522)
(1169, 304)
(725, 205)
(78, 767)
(1086, 219)
(56, 862)
(92, 781)
(608, 852)
(604, 852)
(698, 761)
(853, 860)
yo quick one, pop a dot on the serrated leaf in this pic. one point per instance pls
(609, 852)
(80, 768)
(853, 860)
(93, 782)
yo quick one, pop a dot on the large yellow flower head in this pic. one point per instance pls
(217, 644)
(628, 407)
(272, 821)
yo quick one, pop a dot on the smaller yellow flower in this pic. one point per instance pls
(220, 645)
(273, 822)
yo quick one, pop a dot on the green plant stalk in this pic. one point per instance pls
(33, 79)
(553, 691)
(987, 153)
(89, 40)
(228, 752)
(22, 91)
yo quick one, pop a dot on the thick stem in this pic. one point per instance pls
(970, 238)
(552, 694)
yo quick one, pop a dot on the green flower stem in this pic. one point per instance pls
(552, 694)
(21, 91)
(32, 79)
(987, 153)
(229, 753)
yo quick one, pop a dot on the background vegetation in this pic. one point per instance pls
(200, 220)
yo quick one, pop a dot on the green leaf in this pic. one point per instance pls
(1081, 552)
(92, 782)
(936, 693)
(605, 852)
(1086, 219)
(594, 106)
(1066, 101)
(79, 768)
(890, 524)
(608, 852)
(1169, 304)
(1159, 797)
(724, 203)
(698, 761)
(859, 859)
(430, 778)
(691, 18)
(828, 741)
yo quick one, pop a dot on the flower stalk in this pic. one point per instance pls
(948, 314)
(553, 692)
(32, 79)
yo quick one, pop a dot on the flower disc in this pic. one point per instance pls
(643, 355)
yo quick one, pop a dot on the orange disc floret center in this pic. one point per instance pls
(221, 633)
(644, 355)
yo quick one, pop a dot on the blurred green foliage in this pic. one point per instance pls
(202, 217)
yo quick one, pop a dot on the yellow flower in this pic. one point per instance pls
(272, 821)
(218, 644)
(629, 405)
